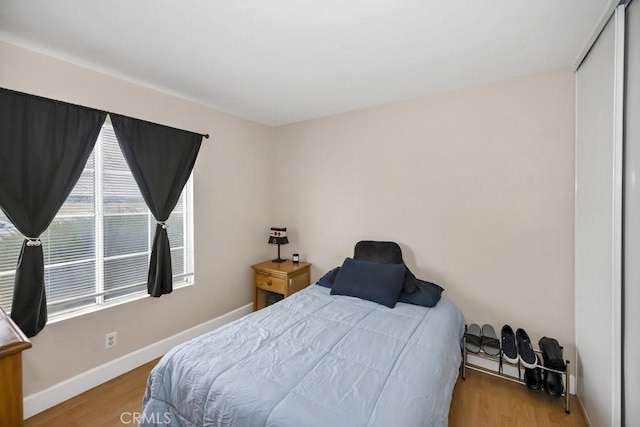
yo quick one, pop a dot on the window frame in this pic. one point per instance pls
(99, 258)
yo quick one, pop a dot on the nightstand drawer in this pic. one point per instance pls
(271, 283)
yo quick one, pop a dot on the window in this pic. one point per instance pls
(97, 249)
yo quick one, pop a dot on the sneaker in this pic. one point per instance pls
(509, 348)
(525, 349)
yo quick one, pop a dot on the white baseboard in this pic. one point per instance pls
(509, 369)
(586, 416)
(58, 393)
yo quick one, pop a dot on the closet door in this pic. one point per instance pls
(631, 227)
(598, 227)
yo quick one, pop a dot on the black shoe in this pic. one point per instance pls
(553, 383)
(552, 354)
(533, 377)
(525, 349)
(509, 348)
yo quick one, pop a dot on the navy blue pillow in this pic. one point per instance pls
(388, 253)
(328, 279)
(371, 281)
(427, 294)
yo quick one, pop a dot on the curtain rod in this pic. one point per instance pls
(204, 135)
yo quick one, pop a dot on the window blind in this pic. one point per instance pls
(97, 248)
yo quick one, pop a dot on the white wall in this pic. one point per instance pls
(231, 180)
(475, 185)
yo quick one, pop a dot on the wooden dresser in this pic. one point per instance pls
(284, 278)
(12, 343)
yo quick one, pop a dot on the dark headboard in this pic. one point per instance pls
(386, 253)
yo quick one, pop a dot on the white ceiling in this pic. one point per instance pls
(283, 61)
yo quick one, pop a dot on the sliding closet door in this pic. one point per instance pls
(631, 225)
(598, 264)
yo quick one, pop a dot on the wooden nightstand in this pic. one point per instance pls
(283, 278)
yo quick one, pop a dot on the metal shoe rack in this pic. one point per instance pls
(566, 375)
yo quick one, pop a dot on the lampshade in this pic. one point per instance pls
(278, 236)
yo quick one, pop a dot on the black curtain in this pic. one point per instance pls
(161, 159)
(44, 146)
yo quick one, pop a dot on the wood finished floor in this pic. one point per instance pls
(478, 401)
(483, 401)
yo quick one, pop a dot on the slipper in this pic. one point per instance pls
(473, 338)
(489, 341)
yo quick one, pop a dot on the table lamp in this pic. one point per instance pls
(278, 236)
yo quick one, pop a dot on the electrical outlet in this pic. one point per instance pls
(110, 340)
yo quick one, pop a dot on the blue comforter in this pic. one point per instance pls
(314, 359)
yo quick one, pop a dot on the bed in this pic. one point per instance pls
(314, 359)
